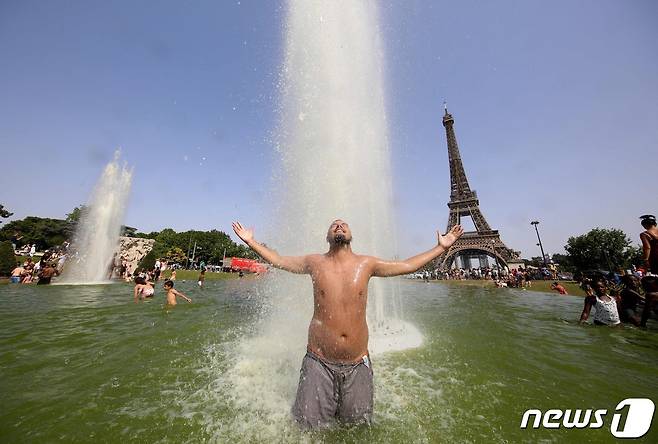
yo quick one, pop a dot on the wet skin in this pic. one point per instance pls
(338, 330)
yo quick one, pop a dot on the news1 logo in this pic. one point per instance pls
(638, 418)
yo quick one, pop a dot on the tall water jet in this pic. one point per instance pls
(333, 145)
(97, 234)
(334, 163)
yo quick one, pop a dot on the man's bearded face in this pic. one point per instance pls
(339, 233)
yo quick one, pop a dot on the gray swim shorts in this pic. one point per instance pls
(331, 391)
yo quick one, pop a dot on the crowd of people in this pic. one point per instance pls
(629, 297)
(145, 282)
(503, 277)
(632, 302)
(626, 297)
(41, 272)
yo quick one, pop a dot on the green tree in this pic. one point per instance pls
(44, 232)
(563, 261)
(7, 258)
(128, 231)
(634, 256)
(75, 214)
(148, 261)
(4, 213)
(73, 218)
(599, 249)
(535, 261)
(175, 255)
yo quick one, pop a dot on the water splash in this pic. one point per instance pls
(334, 152)
(334, 163)
(97, 236)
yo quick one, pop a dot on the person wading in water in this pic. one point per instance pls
(649, 240)
(336, 374)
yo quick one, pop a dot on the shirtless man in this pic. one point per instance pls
(46, 274)
(336, 374)
(17, 274)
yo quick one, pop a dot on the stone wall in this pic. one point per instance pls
(133, 249)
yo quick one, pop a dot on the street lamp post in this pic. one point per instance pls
(541, 247)
(187, 257)
(193, 253)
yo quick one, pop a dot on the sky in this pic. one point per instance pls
(555, 107)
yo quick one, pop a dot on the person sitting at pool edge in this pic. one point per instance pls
(336, 378)
(605, 306)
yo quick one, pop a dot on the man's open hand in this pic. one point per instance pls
(450, 237)
(243, 233)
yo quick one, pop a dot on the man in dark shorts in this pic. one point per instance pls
(336, 375)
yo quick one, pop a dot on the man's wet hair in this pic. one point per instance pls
(140, 280)
(648, 220)
(169, 283)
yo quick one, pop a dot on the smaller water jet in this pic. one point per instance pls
(97, 235)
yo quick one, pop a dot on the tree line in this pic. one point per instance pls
(47, 233)
(606, 249)
(599, 249)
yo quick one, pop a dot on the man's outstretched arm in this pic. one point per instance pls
(394, 268)
(293, 264)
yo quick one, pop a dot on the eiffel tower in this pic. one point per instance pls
(483, 242)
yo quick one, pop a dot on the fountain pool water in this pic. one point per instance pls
(97, 235)
(85, 364)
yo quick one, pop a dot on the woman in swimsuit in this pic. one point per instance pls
(650, 243)
(142, 289)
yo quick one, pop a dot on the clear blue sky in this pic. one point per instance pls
(555, 104)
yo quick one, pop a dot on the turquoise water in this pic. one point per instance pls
(83, 363)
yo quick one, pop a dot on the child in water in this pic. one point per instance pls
(143, 289)
(202, 278)
(171, 293)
